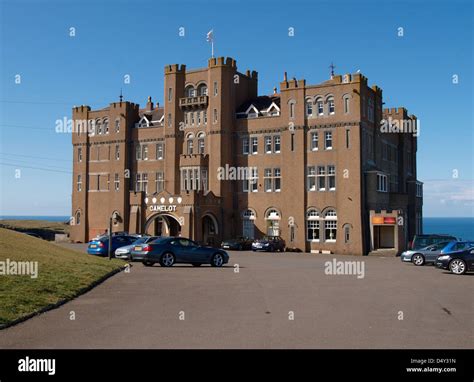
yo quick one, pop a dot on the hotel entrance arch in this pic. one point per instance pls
(162, 224)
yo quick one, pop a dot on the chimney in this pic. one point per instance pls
(149, 105)
(285, 78)
(275, 90)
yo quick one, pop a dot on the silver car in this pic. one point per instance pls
(426, 255)
(125, 252)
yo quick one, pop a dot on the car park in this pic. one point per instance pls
(240, 243)
(269, 243)
(100, 246)
(168, 251)
(125, 251)
(423, 241)
(458, 262)
(427, 255)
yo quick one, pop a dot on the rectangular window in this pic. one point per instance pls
(79, 154)
(160, 151)
(199, 118)
(314, 141)
(268, 144)
(276, 143)
(313, 230)
(277, 180)
(328, 140)
(205, 117)
(311, 178)
(331, 106)
(138, 152)
(245, 146)
(79, 183)
(108, 182)
(192, 118)
(159, 182)
(117, 152)
(332, 177)
(251, 183)
(145, 152)
(320, 108)
(215, 88)
(145, 182)
(381, 183)
(98, 182)
(330, 230)
(292, 110)
(116, 182)
(215, 116)
(346, 105)
(267, 180)
(254, 145)
(170, 94)
(170, 122)
(348, 137)
(321, 178)
(347, 235)
(309, 108)
(201, 146)
(292, 142)
(190, 146)
(117, 125)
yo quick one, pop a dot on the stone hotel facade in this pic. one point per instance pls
(310, 163)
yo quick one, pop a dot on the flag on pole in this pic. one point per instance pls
(210, 38)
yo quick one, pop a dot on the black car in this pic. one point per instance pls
(168, 251)
(240, 243)
(269, 243)
(457, 262)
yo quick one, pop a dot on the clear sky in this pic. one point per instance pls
(138, 38)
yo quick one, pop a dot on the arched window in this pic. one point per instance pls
(98, 127)
(189, 91)
(248, 223)
(330, 225)
(319, 105)
(291, 108)
(117, 125)
(77, 218)
(309, 108)
(106, 125)
(273, 222)
(201, 143)
(346, 102)
(202, 90)
(312, 225)
(331, 105)
(189, 143)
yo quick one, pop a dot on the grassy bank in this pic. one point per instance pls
(62, 274)
(45, 229)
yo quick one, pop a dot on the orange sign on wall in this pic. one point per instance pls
(383, 220)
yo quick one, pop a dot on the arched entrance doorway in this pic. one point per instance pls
(210, 230)
(162, 225)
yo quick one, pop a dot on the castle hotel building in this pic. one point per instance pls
(310, 163)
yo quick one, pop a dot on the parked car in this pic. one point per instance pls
(240, 243)
(427, 255)
(456, 246)
(100, 246)
(269, 243)
(125, 251)
(458, 262)
(168, 251)
(423, 241)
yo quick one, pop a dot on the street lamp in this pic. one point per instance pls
(113, 218)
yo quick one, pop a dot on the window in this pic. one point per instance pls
(314, 141)
(116, 182)
(160, 151)
(205, 117)
(138, 152)
(332, 177)
(245, 146)
(202, 90)
(145, 152)
(141, 182)
(79, 154)
(98, 127)
(267, 180)
(106, 126)
(159, 182)
(201, 145)
(215, 116)
(254, 145)
(328, 140)
(248, 225)
(79, 183)
(108, 182)
(292, 142)
(268, 144)
(370, 110)
(117, 125)
(189, 91)
(199, 118)
(273, 218)
(320, 106)
(346, 104)
(381, 183)
(170, 94)
(309, 108)
(117, 152)
(348, 138)
(321, 175)
(276, 143)
(292, 109)
(277, 179)
(331, 105)
(311, 178)
(170, 122)
(189, 145)
(192, 118)
(215, 88)
(251, 183)
(78, 218)
(194, 178)
(330, 225)
(347, 234)
(312, 225)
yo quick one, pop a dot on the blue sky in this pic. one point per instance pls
(138, 38)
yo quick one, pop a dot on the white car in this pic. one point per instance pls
(124, 252)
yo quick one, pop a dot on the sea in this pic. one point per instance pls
(462, 228)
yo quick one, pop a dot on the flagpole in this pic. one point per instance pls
(212, 48)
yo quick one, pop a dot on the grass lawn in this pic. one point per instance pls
(35, 224)
(62, 274)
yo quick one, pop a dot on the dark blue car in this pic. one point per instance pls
(458, 262)
(100, 246)
(168, 251)
(456, 246)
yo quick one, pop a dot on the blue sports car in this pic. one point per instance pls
(168, 251)
(100, 246)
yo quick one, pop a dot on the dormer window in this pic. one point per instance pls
(252, 112)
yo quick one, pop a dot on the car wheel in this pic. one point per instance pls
(167, 259)
(240, 247)
(457, 266)
(147, 263)
(217, 260)
(418, 259)
(196, 264)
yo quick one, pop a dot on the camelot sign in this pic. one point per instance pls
(163, 208)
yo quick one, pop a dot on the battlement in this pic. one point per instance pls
(81, 109)
(252, 74)
(358, 77)
(222, 61)
(292, 84)
(175, 68)
(395, 110)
